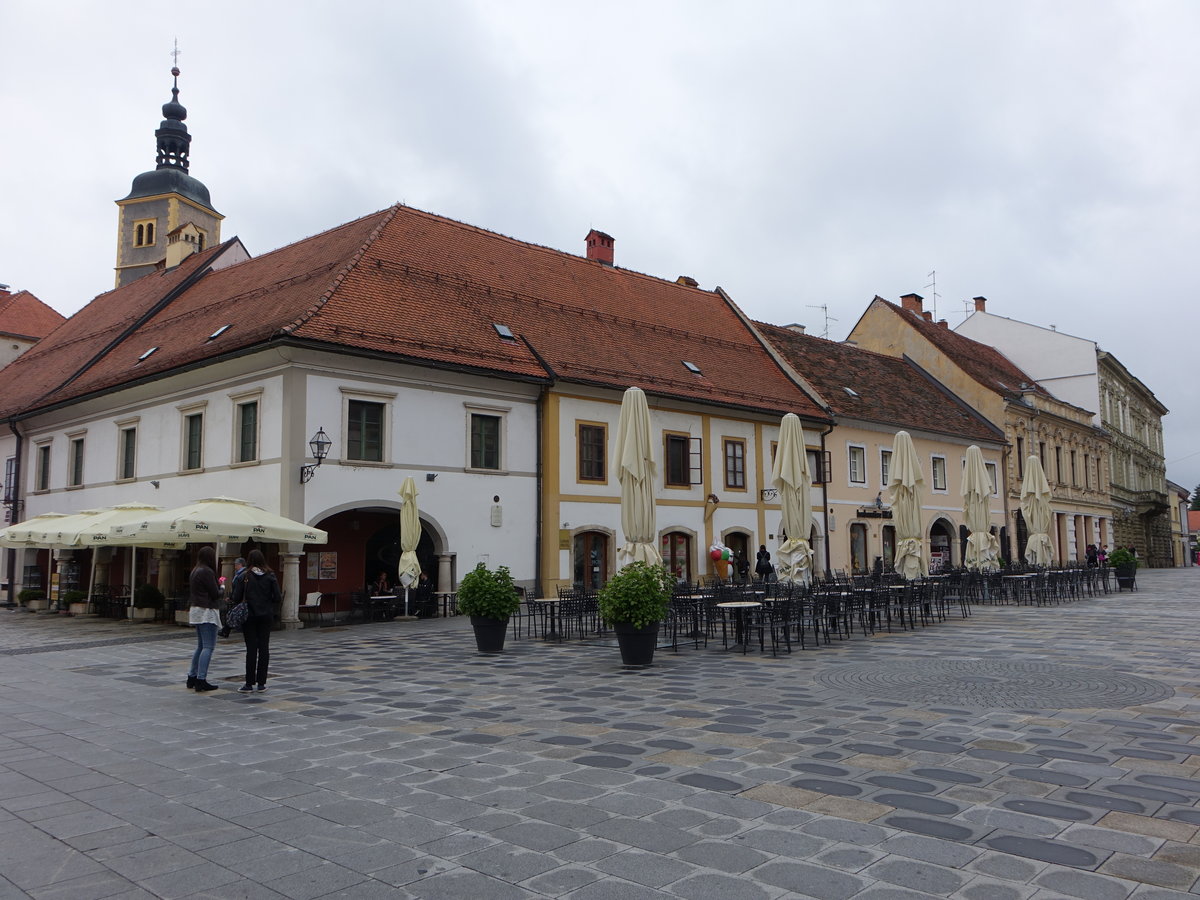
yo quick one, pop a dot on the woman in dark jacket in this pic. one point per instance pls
(260, 589)
(762, 563)
(203, 613)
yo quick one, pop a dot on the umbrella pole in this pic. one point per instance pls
(406, 601)
(91, 580)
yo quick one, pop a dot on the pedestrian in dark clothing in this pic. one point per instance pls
(743, 567)
(762, 563)
(260, 589)
(203, 613)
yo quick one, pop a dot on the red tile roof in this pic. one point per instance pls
(886, 389)
(984, 363)
(24, 315)
(428, 289)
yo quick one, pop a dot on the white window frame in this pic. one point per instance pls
(186, 411)
(76, 459)
(497, 412)
(933, 474)
(239, 400)
(861, 465)
(43, 465)
(123, 425)
(994, 474)
(387, 400)
(885, 466)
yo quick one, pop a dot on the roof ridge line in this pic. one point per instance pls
(342, 273)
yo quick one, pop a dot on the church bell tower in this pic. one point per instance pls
(167, 214)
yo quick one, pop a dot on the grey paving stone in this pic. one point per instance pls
(643, 835)
(460, 883)
(562, 880)
(1085, 885)
(718, 887)
(508, 863)
(724, 856)
(917, 875)
(847, 857)
(983, 888)
(649, 869)
(1055, 852)
(1110, 839)
(939, 852)
(615, 889)
(536, 835)
(784, 842)
(843, 830)
(810, 881)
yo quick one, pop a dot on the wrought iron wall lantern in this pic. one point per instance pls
(319, 446)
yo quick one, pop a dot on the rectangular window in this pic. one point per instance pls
(127, 462)
(1074, 469)
(41, 476)
(193, 441)
(939, 473)
(677, 460)
(858, 465)
(485, 441)
(1020, 457)
(815, 471)
(592, 441)
(1087, 471)
(364, 431)
(76, 462)
(885, 465)
(247, 426)
(991, 470)
(735, 464)
(1042, 454)
(10, 480)
(1058, 466)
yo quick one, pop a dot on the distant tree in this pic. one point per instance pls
(1195, 498)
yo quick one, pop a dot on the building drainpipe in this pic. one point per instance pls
(825, 497)
(543, 396)
(15, 506)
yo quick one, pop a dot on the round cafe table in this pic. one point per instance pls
(738, 608)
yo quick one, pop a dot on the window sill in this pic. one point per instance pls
(473, 471)
(364, 463)
(191, 471)
(245, 464)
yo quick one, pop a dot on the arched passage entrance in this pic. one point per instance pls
(941, 545)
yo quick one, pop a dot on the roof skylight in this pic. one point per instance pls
(504, 331)
(220, 331)
(691, 367)
(146, 355)
(851, 391)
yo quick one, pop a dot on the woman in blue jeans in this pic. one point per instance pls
(205, 615)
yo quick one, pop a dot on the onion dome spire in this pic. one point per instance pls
(172, 134)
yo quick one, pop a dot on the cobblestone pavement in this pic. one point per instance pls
(1022, 753)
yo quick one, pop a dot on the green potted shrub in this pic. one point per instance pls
(489, 597)
(32, 598)
(74, 602)
(634, 602)
(1126, 565)
(147, 601)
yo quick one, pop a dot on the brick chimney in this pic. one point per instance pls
(942, 323)
(913, 303)
(796, 327)
(686, 280)
(927, 315)
(981, 304)
(600, 247)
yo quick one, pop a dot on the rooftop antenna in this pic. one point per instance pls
(824, 309)
(934, 293)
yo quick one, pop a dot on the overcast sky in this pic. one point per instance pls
(799, 154)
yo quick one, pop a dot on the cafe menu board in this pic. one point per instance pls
(322, 565)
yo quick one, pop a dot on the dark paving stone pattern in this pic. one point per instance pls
(1010, 684)
(1032, 753)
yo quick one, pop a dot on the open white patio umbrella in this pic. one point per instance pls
(410, 535)
(1035, 508)
(904, 487)
(791, 477)
(636, 468)
(216, 519)
(21, 534)
(983, 547)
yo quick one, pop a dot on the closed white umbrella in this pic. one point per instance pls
(410, 535)
(1035, 508)
(636, 470)
(983, 547)
(216, 519)
(905, 484)
(790, 475)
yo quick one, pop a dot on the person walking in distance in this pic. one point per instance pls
(204, 614)
(260, 589)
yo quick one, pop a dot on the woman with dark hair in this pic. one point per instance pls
(204, 614)
(260, 589)
(762, 564)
